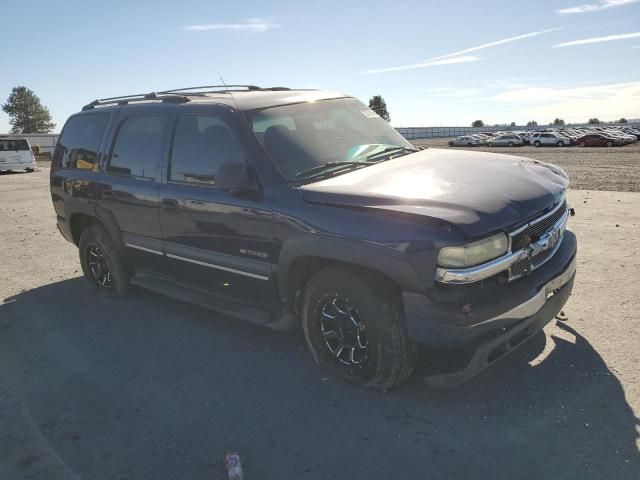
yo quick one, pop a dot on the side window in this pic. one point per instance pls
(200, 145)
(78, 145)
(138, 147)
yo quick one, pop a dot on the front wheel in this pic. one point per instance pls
(101, 263)
(536, 143)
(355, 329)
(609, 144)
(583, 144)
(560, 143)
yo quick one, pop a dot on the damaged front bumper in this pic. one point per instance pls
(490, 329)
(489, 348)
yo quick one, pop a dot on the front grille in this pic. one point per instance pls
(523, 266)
(534, 231)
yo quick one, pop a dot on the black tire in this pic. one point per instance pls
(510, 144)
(469, 144)
(583, 144)
(560, 143)
(29, 170)
(370, 310)
(96, 246)
(609, 143)
(536, 143)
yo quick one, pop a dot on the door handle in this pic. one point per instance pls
(107, 194)
(169, 204)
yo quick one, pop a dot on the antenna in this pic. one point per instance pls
(236, 104)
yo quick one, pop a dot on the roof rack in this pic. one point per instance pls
(165, 97)
(222, 87)
(179, 95)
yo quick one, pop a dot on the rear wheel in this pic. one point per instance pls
(510, 144)
(583, 144)
(536, 143)
(101, 263)
(355, 329)
(609, 143)
(560, 143)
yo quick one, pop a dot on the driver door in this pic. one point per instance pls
(213, 238)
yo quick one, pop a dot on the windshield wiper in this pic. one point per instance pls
(330, 165)
(390, 150)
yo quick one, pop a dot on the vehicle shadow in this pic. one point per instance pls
(148, 387)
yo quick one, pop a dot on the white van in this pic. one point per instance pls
(16, 154)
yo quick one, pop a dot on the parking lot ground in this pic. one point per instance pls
(590, 168)
(152, 388)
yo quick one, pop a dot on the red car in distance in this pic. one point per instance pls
(597, 140)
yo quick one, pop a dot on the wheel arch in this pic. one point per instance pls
(301, 258)
(80, 219)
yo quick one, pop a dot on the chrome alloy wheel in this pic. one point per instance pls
(343, 332)
(98, 266)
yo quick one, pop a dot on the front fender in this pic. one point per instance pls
(389, 262)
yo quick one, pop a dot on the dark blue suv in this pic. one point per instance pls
(290, 207)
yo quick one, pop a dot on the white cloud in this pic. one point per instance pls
(459, 56)
(497, 42)
(609, 38)
(575, 103)
(593, 7)
(413, 66)
(452, 92)
(256, 25)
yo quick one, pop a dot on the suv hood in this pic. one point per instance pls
(476, 191)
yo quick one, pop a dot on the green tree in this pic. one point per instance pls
(478, 123)
(378, 105)
(532, 123)
(512, 124)
(594, 121)
(622, 120)
(558, 121)
(26, 113)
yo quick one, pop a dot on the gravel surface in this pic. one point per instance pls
(614, 169)
(151, 388)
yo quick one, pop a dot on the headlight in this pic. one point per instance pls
(474, 253)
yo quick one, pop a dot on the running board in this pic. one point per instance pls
(202, 297)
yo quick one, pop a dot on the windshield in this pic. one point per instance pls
(303, 136)
(13, 145)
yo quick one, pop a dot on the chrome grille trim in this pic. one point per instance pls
(540, 250)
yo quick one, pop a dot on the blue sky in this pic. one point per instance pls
(435, 63)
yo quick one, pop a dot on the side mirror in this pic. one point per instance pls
(234, 178)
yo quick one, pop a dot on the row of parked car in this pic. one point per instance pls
(556, 137)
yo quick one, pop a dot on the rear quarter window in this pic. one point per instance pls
(78, 145)
(17, 145)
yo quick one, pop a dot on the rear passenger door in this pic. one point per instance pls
(213, 238)
(128, 187)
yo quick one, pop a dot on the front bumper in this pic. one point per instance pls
(17, 165)
(496, 322)
(489, 348)
(448, 323)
